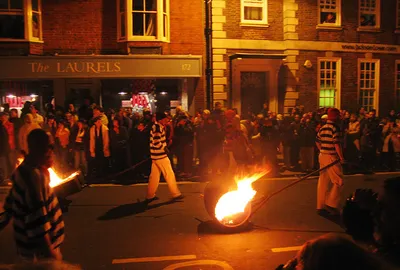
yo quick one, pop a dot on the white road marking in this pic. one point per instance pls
(286, 249)
(154, 259)
(223, 265)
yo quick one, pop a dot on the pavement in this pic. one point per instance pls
(106, 227)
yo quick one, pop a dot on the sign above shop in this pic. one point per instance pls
(100, 67)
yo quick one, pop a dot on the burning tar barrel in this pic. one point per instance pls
(225, 212)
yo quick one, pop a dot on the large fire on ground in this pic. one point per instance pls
(55, 180)
(233, 204)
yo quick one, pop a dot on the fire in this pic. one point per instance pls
(235, 202)
(55, 180)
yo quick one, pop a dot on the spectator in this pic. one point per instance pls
(24, 131)
(99, 148)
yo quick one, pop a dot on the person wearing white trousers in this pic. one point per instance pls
(329, 145)
(161, 164)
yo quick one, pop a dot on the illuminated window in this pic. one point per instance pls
(368, 83)
(143, 20)
(254, 12)
(398, 83)
(20, 20)
(329, 82)
(369, 11)
(329, 12)
(398, 14)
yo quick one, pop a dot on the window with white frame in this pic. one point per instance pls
(329, 82)
(329, 12)
(20, 20)
(369, 12)
(368, 83)
(398, 83)
(143, 20)
(254, 11)
(398, 15)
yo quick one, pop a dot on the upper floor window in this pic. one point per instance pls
(20, 20)
(368, 83)
(329, 82)
(329, 12)
(143, 20)
(254, 11)
(369, 11)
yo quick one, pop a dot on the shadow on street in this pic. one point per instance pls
(131, 209)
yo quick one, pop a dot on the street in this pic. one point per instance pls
(106, 228)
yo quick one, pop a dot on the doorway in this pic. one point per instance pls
(254, 82)
(254, 91)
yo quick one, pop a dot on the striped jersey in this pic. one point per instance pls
(158, 142)
(35, 210)
(328, 136)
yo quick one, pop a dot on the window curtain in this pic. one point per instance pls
(151, 18)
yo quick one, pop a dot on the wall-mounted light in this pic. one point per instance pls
(11, 96)
(33, 96)
(142, 93)
(308, 64)
(163, 93)
(122, 93)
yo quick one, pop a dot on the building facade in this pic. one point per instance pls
(103, 50)
(315, 53)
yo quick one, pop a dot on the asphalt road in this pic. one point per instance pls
(107, 229)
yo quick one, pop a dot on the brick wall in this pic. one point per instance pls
(308, 20)
(235, 30)
(307, 85)
(76, 26)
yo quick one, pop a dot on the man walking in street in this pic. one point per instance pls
(31, 202)
(329, 145)
(161, 164)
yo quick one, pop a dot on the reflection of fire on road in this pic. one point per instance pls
(233, 207)
(55, 180)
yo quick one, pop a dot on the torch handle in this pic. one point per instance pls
(265, 199)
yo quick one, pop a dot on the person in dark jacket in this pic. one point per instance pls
(184, 135)
(140, 149)
(208, 142)
(80, 145)
(119, 146)
(307, 143)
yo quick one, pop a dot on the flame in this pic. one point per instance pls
(55, 180)
(235, 202)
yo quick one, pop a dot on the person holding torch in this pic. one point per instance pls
(32, 204)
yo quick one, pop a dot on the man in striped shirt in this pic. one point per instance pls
(161, 164)
(329, 145)
(31, 202)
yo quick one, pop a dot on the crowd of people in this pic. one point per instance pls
(103, 143)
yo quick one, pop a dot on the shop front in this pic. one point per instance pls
(156, 82)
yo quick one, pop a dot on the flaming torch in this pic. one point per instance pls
(230, 207)
(63, 187)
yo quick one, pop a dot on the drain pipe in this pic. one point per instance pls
(209, 53)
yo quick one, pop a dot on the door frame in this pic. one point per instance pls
(271, 66)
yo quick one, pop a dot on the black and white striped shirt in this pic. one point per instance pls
(328, 136)
(158, 142)
(35, 210)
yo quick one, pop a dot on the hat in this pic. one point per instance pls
(333, 114)
(160, 116)
(325, 116)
